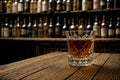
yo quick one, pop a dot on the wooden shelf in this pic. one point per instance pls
(57, 39)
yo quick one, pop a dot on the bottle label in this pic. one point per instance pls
(39, 7)
(14, 8)
(57, 30)
(97, 30)
(44, 7)
(102, 3)
(111, 32)
(6, 32)
(103, 32)
(40, 32)
(31, 8)
(50, 31)
(89, 4)
(35, 7)
(14, 32)
(20, 7)
(18, 32)
(117, 31)
(23, 32)
(96, 4)
(68, 6)
(84, 5)
(58, 7)
(9, 8)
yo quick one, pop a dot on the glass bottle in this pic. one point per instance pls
(9, 6)
(58, 5)
(35, 6)
(50, 6)
(72, 27)
(4, 6)
(111, 29)
(97, 28)
(29, 28)
(96, 4)
(84, 5)
(15, 7)
(110, 4)
(58, 28)
(102, 4)
(45, 28)
(64, 28)
(10, 28)
(32, 6)
(89, 5)
(24, 28)
(18, 26)
(89, 26)
(35, 29)
(40, 28)
(81, 27)
(20, 6)
(117, 30)
(2, 29)
(50, 29)
(39, 6)
(14, 29)
(74, 5)
(104, 28)
(6, 28)
(64, 5)
(68, 5)
(44, 6)
(26, 5)
(1, 6)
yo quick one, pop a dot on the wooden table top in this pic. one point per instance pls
(54, 66)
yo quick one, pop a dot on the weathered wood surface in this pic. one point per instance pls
(54, 66)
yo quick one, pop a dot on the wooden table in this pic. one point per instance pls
(54, 66)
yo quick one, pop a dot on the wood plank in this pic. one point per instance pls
(110, 70)
(87, 73)
(21, 65)
(58, 71)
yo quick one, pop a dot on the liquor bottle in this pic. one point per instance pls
(26, 5)
(24, 28)
(58, 28)
(14, 29)
(74, 5)
(9, 6)
(35, 6)
(104, 28)
(110, 4)
(4, 6)
(96, 4)
(35, 29)
(97, 28)
(10, 28)
(40, 28)
(1, 6)
(81, 26)
(45, 28)
(117, 30)
(18, 27)
(6, 28)
(58, 5)
(32, 6)
(39, 6)
(72, 27)
(111, 29)
(50, 6)
(50, 29)
(89, 4)
(68, 6)
(63, 5)
(20, 6)
(29, 28)
(64, 28)
(15, 7)
(2, 29)
(102, 4)
(89, 26)
(84, 5)
(44, 6)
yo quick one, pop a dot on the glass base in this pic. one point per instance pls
(80, 61)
